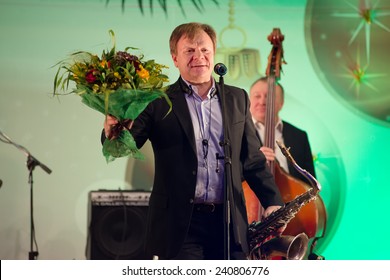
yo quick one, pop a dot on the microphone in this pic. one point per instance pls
(220, 69)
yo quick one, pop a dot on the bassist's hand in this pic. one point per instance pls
(269, 153)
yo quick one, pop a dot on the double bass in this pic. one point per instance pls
(311, 218)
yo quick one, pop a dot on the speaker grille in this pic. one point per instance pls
(117, 225)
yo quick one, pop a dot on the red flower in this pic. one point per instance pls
(90, 77)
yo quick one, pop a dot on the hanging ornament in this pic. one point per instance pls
(243, 64)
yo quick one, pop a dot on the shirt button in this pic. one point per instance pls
(193, 172)
(191, 201)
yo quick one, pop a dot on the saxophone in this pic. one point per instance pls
(263, 235)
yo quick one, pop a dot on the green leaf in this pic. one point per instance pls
(122, 146)
(163, 3)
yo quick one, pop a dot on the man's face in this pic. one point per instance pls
(195, 58)
(258, 98)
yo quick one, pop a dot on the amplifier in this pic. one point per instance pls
(116, 224)
(119, 198)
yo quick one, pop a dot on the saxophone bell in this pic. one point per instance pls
(287, 246)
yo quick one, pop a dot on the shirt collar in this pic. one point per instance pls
(193, 89)
(278, 125)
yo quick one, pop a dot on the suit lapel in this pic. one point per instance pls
(228, 98)
(180, 109)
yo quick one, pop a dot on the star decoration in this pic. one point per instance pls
(369, 15)
(360, 76)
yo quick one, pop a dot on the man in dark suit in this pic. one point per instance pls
(186, 207)
(285, 132)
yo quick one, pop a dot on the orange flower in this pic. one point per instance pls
(105, 64)
(143, 73)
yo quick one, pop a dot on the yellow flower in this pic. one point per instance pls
(143, 73)
(95, 88)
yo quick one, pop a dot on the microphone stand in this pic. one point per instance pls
(228, 171)
(32, 162)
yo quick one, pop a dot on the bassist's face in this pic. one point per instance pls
(258, 98)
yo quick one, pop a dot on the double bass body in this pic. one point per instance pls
(310, 220)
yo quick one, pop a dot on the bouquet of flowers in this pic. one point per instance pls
(117, 83)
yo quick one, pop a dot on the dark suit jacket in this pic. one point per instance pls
(173, 143)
